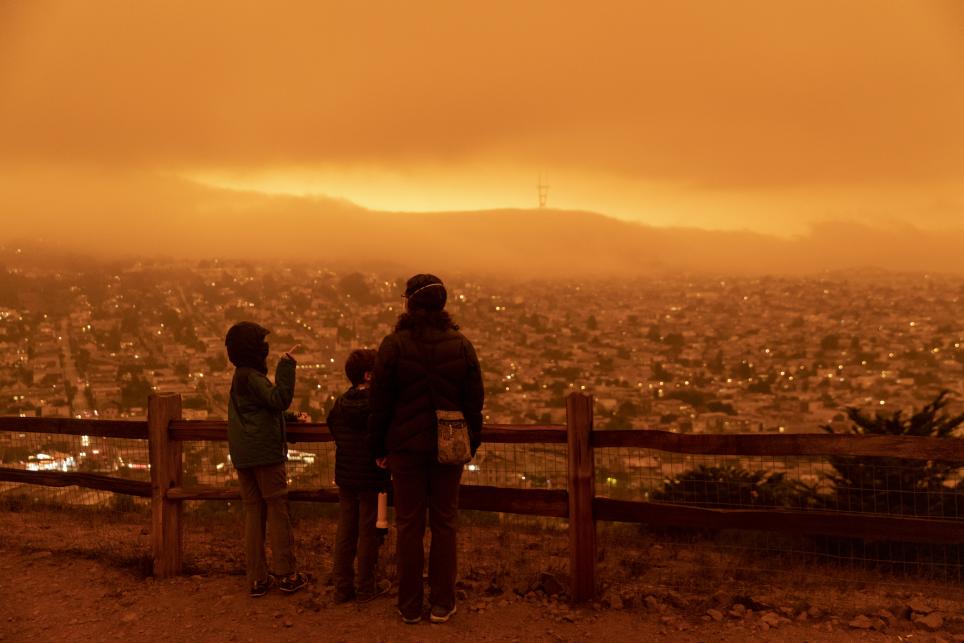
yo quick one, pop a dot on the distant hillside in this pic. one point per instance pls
(172, 217)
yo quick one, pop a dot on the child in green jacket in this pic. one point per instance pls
(256, 441)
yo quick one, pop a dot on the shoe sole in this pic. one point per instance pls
(367, 598)
(304, 583)
(410, 621)
(443, 619)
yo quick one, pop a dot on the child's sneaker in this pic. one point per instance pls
(294, 582)
(381, 588)
(260, 587)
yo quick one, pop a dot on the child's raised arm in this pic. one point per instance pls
(276, 396)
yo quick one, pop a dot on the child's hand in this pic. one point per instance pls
(382, 463)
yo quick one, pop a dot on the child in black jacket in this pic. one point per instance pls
(359, 482)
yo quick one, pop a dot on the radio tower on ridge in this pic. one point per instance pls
(543, 193)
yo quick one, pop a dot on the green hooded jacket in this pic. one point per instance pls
(256, 424)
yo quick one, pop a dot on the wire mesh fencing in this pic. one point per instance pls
(789, 567)
(90, 523)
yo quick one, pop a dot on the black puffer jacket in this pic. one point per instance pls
(403, 404)
(354, 461)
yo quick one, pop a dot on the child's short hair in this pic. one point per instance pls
(361, 361)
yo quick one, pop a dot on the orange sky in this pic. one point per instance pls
(762, 115)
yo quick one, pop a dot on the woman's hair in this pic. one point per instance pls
(425, 297)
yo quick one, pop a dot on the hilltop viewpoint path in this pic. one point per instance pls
(52, 588)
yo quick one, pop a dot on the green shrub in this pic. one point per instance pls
(900, 486)
(727, 486)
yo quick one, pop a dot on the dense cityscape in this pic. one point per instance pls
(675, 352)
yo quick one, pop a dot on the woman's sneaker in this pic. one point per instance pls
(440, 614)
(410, 620)
(294, 582)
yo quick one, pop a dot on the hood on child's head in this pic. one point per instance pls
(246, 346)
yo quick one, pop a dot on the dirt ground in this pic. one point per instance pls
(52, 589)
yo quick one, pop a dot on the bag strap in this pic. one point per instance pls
(428, 372)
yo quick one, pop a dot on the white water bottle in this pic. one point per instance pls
(381, 521)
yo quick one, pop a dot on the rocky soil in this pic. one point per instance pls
(57, 583)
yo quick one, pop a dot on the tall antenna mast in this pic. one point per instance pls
(543, 193)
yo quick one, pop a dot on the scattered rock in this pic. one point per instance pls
(918, 606)
(772, 619)
(628, 598)
(288, 623)
(751, 603)
(653, 603)
(310, 603)
(493, 590)
(861, 622)
(550, 584)
(932, 621)
(460, 594)
(815, 612)
(738, 610)
(678, 600)
(129, 617)
(716, 615)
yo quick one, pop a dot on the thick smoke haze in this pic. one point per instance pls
(810, 122)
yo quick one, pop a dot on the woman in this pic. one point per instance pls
(424, 366)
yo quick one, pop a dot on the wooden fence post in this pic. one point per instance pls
(582, 489)
(165, 458)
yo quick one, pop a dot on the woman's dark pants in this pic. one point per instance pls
(421, 484)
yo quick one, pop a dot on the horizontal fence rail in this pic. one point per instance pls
(165, 432)
(798, 444)
(127, 429)
(824, 523)
(139, 488)
(185, 430)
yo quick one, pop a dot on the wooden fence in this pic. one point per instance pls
(165, 431)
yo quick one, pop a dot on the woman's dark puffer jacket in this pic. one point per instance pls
(355, 467)
(404, 404)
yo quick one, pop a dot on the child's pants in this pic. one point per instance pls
(357, 512)
(264, 491)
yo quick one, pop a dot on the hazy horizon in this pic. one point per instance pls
(172, 217)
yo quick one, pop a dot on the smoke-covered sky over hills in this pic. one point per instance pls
(770, 136)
